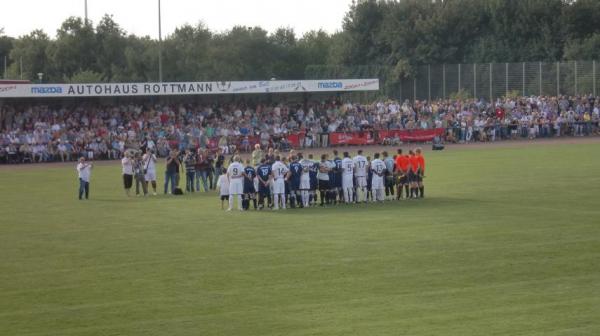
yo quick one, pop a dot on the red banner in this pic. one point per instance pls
(418, 135)
(295, 139)
(352, 138)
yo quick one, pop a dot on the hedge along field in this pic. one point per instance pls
(507, 241)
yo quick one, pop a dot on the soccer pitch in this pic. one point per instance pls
(506, 242)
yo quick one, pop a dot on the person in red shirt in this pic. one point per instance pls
(413, 174)
(421, 172)
(499, 113)
(401, 170)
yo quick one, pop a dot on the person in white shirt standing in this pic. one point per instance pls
(377, 185)
(149, 161)
(236, 174)
(360, 172)
(223, 186)
(127, 168)
(84, 171)
(279, 171)
(347, 178)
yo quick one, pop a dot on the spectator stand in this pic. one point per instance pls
(101, 120)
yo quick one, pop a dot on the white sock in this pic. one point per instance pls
(231, 201)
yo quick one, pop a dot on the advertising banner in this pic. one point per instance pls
(295, 139)
(417, 135)
(351, 138)
(185, 88)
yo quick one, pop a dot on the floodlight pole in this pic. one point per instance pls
(160, 70)
(86, 12)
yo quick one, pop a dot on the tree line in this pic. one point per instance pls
(378, 37)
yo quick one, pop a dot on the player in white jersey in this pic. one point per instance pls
(280, 173)
(377, 185)
(149, 160)
(360, 172)
(236, 174)
(305, 180)
(347, 178)
(223, 187)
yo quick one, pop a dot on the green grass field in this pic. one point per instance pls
(507, 242)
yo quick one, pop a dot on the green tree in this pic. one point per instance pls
(583, 49)
(110, 49)
(580, 18)
(31, 50)
(287, 59)
(86, 76)
(314, 47)
(141, 61)
(526, 30)
(244, 53)
(75, 48)
(363, 26)
(6, 44)
(186, 53)
(379, 38)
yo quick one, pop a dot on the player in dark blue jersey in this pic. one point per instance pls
(336, 185)
(314, 182)
(263, 173)
(249, 190)
(295, 174)
(369, 181)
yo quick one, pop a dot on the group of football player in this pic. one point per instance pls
(301, 182)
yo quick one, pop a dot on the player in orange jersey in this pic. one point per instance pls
(413, 172)
(421, 172)
(401, 170)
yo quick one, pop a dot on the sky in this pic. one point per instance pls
(140, 17)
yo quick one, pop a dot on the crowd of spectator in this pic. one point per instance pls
(41, 133)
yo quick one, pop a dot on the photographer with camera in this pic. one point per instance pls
(149, 159)
(84, 171)
(219, 160)
(172, 171)
(190, 170)
(203, 169)
(139, 174)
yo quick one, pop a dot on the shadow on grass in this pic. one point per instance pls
(413, 204)
(425, 203)
(108, 200)
(150, 198)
